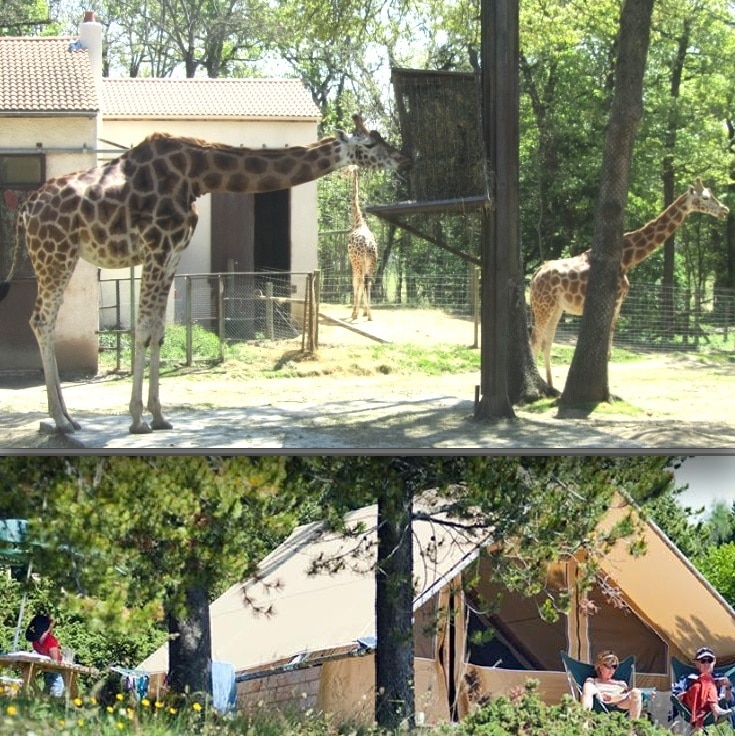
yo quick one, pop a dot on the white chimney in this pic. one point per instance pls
(90, 38)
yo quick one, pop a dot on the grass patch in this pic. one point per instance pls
(616, 407)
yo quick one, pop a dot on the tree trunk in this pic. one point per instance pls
(587, 382)
(190, 645)
(394, 659)
(500, 226)
(525, 383)
(669, 171)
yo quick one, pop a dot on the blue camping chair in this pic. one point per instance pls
(578, 672)
(680, 671)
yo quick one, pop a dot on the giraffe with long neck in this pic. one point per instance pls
(362, 250)
(560, 286)
(138, 209)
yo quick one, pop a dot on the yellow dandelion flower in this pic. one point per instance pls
(78, 702)
(93, 701)
(11, 710)
(80, 722)
(120, 725)
(110, 709)
(145, 703)
(159, 704)
(197, 707)
(119, 696)
(172, 710)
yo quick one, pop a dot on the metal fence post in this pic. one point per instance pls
(317, 305)
(187, 319)
(476, 305)
(269, 310)
(221, 313)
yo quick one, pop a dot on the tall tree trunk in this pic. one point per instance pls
(394, 659)
(500, 225)
(587, 381)
(669, 171)
(190, 645)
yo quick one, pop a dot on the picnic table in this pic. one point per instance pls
(28, 664)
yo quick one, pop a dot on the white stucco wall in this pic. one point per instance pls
(250, 134)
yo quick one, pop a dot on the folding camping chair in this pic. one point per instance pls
(578, 672)
(682, 716)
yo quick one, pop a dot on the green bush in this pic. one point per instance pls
(525, 714)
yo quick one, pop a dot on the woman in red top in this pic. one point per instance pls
(40, 634)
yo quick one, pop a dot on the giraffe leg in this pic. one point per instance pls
(155, 286)
(542, 338)
(367, 288)
(357, 286)
(43, 323)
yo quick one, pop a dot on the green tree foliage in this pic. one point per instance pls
(717, 564)
(132, 538)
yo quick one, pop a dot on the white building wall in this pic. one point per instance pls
(249, 134)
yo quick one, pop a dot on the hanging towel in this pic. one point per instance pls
(224, 692)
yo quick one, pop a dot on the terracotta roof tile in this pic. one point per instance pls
(265, 99)
(44, 75)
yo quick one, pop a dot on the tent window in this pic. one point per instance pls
(531, 641)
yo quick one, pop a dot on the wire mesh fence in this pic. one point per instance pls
(242, 307)
(652, 318)
(233, 307)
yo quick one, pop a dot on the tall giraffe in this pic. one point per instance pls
(560, 286)
(139, 209)
(362, 250)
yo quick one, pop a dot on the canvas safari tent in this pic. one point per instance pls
(306, 640)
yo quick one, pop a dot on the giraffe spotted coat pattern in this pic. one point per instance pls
(560, 286)
(138, 209)
(362, 250)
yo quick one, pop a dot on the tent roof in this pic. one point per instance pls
(286, 611)
(665, 590)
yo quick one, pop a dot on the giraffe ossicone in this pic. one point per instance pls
(560, 286)
(138, 209)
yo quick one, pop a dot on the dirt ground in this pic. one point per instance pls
(671, 402)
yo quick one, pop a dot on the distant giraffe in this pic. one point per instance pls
(362, 250)
(139, 209)
(560, 286)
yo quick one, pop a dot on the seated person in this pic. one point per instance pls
(40, 634)
(609, 691)
(700, 692)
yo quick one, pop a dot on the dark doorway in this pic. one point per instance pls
(273, 231)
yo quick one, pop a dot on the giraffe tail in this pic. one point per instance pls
(20, 236)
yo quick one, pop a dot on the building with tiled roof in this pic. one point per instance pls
(203, 99)
(58, 114)
(42, 75)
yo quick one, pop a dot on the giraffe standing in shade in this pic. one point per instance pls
(362, 250)
(139, 209)
(560, 286)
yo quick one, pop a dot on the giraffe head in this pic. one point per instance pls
(701, 199)
(367, 149)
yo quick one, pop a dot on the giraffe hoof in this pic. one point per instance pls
(161, 424)
(49, 426)
(139, 428)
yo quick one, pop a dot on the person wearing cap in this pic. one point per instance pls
(610, 691)
(40, 634)
(700, 692)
